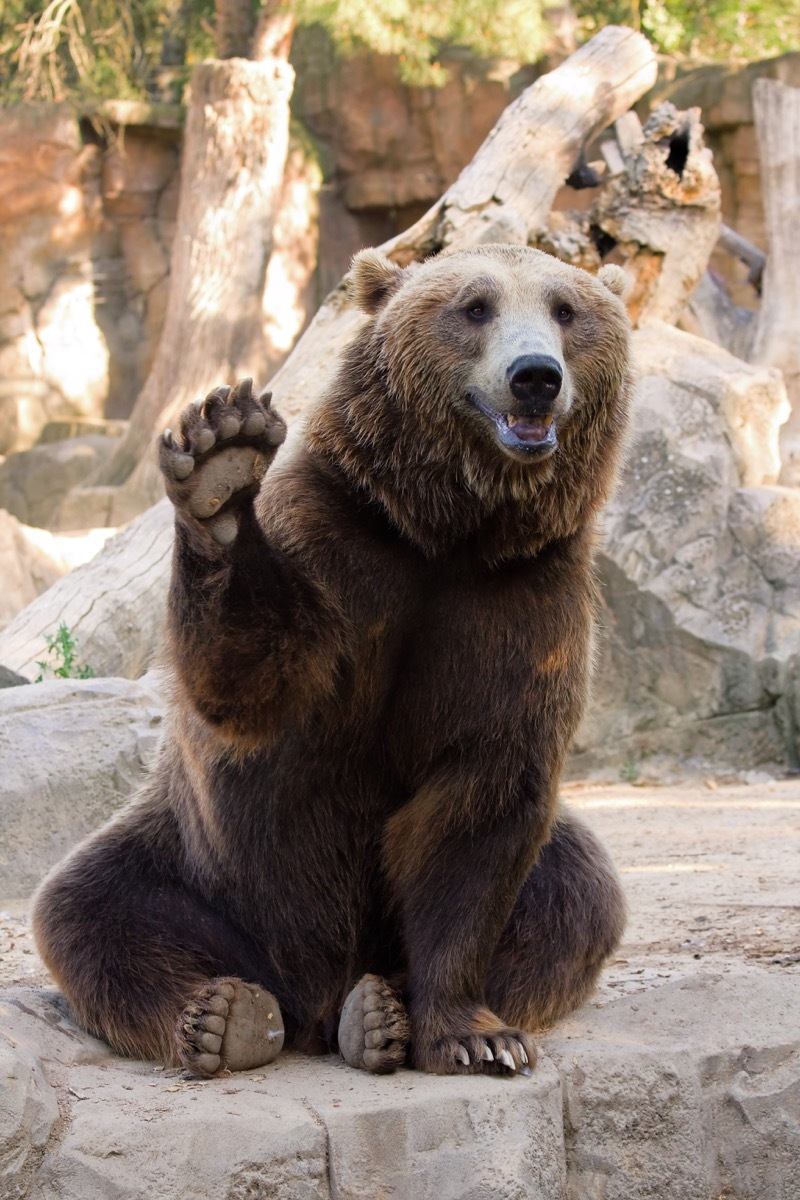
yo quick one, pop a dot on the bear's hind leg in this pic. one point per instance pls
(229, 1025)
(569, 917)
(147, 964)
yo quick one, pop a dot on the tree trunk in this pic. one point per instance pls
(234, 152)
(234, 22)
(504, 195)
(776, 342)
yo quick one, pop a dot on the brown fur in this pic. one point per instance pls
(375, 685)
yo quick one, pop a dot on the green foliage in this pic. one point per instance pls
(629, 771)
(417, 30)
(87, 50)
(63, 663)
(718, 30)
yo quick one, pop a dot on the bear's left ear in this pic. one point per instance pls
(614, 278)
(373, 279)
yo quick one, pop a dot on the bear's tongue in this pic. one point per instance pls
(530, 429)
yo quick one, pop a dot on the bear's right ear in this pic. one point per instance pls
(373, 279)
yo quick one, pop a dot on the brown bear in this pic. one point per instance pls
(380, 652)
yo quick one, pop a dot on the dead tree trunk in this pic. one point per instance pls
(233, 159)
(776, 342)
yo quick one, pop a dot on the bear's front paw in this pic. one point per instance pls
(504, 1052)
(220, 456)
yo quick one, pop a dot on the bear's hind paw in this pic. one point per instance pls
(229, 1025)
(373, 1027)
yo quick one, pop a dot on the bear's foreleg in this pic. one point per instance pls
(567, 920)
(456, 883)
(245, 627)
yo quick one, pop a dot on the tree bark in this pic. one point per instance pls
(776, 342)
(504, 195)
(662, 213)
(234, 153)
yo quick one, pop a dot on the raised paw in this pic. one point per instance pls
(506, 1052)
(373, 1027)
(229, 1025)
(220, 455)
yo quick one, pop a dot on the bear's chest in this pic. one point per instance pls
(491, 656)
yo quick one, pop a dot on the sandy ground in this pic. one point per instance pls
(710, 871)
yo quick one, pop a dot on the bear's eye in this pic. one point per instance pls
(478, 310)
(564, 314)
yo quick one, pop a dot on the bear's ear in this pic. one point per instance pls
(373, 279)
(614, 278)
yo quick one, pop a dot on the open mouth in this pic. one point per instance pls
(531, 435)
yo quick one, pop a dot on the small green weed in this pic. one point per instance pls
(61, 648)
(629, 771)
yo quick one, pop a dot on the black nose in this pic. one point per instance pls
(535, 379)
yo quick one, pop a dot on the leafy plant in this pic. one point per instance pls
(629, 771)
(63, 664)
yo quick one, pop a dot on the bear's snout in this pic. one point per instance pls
(535, 381)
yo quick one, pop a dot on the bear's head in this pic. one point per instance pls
(487, 377)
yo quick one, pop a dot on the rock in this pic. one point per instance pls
(53, 361)
(27, 571)
(74, 353)
(28, 1112)
(113, 605)
(34, 482)
(11, 678)
(73, 750)
(392, 145)
(700, 625)
(690, 1090)
(136, 172)
(34, 559)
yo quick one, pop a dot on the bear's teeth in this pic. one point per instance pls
(546, 420)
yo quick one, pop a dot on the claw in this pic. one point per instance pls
(487, 1055)
(522, 1053)
(525, 1071)
(168, 439)
(505, 1058)
(462, 1056)
(265, 397)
